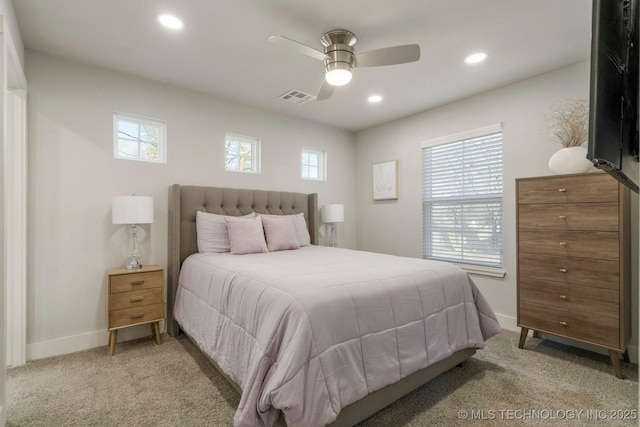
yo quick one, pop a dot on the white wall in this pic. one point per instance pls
(396, 226)
(73, 176)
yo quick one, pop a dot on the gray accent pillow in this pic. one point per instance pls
(280, 232)
(304, 239)
(211, 232)
(246, 235)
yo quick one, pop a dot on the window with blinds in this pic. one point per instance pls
(462, 198)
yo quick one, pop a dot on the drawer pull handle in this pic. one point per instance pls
(137, 282)
(137, 299)
(563, 297)
(563, 323)
(563, 243)
(562, 190)
(562, 216)
(137, 315)
(562, 270)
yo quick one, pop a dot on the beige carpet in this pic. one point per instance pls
(173, 385)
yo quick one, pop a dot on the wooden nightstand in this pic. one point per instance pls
(134, 297)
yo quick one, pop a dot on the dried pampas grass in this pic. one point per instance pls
(569, 122)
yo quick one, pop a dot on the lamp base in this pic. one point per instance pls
(333, 241)
(135, 254)
(133, 265)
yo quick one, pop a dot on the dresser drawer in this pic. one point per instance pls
(595, 187)
(597, 273)
(570, 216)
(136, 298)
(579, 244)
(135, 315)
(136, 281)
(592, 329)
(578, 299)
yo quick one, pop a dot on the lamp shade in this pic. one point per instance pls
(332, 213)
(132, 210)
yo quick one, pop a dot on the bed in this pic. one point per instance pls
(316, 335)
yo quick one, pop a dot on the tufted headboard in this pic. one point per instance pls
(186, 200)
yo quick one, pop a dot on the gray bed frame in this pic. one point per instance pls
(185, 201)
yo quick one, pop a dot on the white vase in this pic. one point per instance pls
(570, 160)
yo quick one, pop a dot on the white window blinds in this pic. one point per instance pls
(462, 200)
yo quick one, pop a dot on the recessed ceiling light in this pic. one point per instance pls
(170, 21)
(475, 58)
(374, 98)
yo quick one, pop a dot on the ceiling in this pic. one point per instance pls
(223, 48)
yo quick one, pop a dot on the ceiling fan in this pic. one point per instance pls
(339, 57)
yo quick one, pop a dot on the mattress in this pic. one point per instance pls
(311, 330)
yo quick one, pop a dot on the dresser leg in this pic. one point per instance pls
(615, 361)
(625, 356)
(156, 331)
(536, 334)
(523, 337)
(112, 341)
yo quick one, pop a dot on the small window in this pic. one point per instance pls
(241, 153)
(462, 198)
(139, 138)
(312, 164)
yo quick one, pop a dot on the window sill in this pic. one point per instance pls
(483, 271)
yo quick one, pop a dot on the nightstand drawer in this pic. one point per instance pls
(577, 299)
(588, 188)
(135, 315)
(596, 330)
(136, 298)
(579, 244)
(136, 281)
(598, 273)
(570, 216)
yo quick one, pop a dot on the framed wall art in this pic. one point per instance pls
(385, 180)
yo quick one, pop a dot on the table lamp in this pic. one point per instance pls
(132, 210)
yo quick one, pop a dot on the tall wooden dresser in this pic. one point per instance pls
(574, 260)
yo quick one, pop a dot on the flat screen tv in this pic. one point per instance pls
(613, 104)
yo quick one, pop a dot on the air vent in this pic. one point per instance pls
(297, 97)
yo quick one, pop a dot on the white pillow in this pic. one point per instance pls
(304, 239)
(211, 232)
(246, 235)
(280, 232)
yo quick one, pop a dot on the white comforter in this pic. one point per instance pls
(312, 330)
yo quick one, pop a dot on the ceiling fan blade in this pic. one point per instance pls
(299, 47)
(388, 56)
(325, 92)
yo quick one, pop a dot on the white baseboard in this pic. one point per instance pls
(71, 344)
(510, 323)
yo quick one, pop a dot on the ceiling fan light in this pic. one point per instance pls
(338, 77)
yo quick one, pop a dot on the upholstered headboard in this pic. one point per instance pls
(186, 200)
